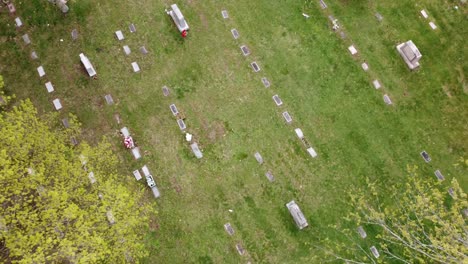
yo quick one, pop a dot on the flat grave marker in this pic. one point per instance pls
(109, 99)
(235, 33)
(196, 151)
(376, 84)
(135, 67)
(143, 50)
(18, 22)
(119, 35)
(240, 249)
(126, 50)
(74, 34)
(365, 66)
(11, 8)
(136, 153)
(225, 14)
(387, 99)
(181, 124)
(245, 50)
(352, 50)
(26, 39)
(57, 104)
(165, 90)
(91, 177)
(125, 132)
(379, 17)
(258, 157)
(299, 133)
(117, 118)
(74, 141)
(312, 152)
(277, 100)
(343, 35)
(174, 110)
(132, 28)
(452, 193)
(361, 232)
(270, 176)
(41, 71)
(229, 229)
(255, 66)
(34, 55)
(425, 156)
(439, 175)
(432, 25)
(137, 175)
(424, 13)
(322, 4)
(49, 87)
(287, 117)
(375, 252)
(265, 82)
(465, 212)
(65, 123)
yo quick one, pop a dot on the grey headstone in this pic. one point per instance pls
(34, 55)
(270, 176)
(165, 91)
(255, 66)
(26, 39)
(74, 34)
(375, 252)
(265, 82)
(277, 100)
(258, 157)
(132, 28)
(451, 192)
(127, 50)
(235, 33)
(65, 123)
(181, 124)
(287, 117)
(174, 110)
(361, 232)
(439, 175)
(425, 156)
(240, 249)
(322, 4)
(109, 99)
(229, 229)
(379, 17)
(18, 22)
(196, 151)
(387, 99)
(225, 14)
(74, 141)
(245, 50)
(343, 35)
(143, 50)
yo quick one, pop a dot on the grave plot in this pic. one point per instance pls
(119, 35)
(312, 152)
(225, 14)
(229, 229)
(287, 117)
(277, 100)
(181, 124)
(432, 25)
(258, 157)
(49, 87)
(297, 215)
(255, 66)
(174, 110)
(425, 156)
(40, 71)
(245, 50)
(265, 82)
(379, 17)
(11, 8)
(235, 33)
(150, 181)
(240, 249)
(110, 217)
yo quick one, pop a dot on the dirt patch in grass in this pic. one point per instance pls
(214, 131)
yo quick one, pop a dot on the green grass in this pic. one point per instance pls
(232, 115)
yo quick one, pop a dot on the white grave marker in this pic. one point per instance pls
(229, 229)
(225, 14)
(18, 22)
(245, 50)
(265, 82)
(432, 25)
(127, 50)
(270, 176)
(376, 84)
(365, 66)
(287, 117)
(26, 39)
(174, 110)
(375, 252)
(258, 157)
(137, 175)
(34, 55)
(424, 13)
(91, 177)
(299, 133)
(361, 232)
(277, 100)
(352, 49)
(196, 151)
(119, 35)
(136, 153)
(181, 124)
(132, 28)
(439, 175)
(49, 86)
(387, 99)
(312, 152)
(135, 67)
(41, 71)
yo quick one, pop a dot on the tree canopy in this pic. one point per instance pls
(50, 209)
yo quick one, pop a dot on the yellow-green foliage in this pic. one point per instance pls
(50, 212)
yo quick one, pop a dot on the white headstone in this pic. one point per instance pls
(258, 157)
(365, 66)
(424, 13)
(91, 177)
(297, 215)
(376, 84)
(125, 132)
(312, 152)
(387, 99)
(432, 25)
(127, 49)
(136, 153)
(352, 49)
(225, 14)
(135, 67)
(57, 104)
(49, 86)
(287, 117)
(119, 35)
(18, 22)
(137, 175)
(196, 151)
(34, 55)
(375, 252)
(41, 71)
(109, 99)
(26, 39)
(299, 133)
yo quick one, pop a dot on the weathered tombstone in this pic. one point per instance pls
(40, 71)
(297, 215)
(109, 99)
(375, 252)
(136, 153)
(258, 157)
(65, 123)
(235, 33)
(240, 249)
(165, 90)
(342, 34)
(57, 104)
(74, 141)
(125, 132)
(410, 54)
(452, 193)
(196, 151)
(270, 176)
(225, 14)
(11, 8)
(143, 50)
(265, 82)
(287, 117)
(34, 55)
(88, 66)
(119, 35)
(376, 84)
(26, 39)
(322, 4)
(117, 118)
(135, 67)
(110, 217)
(312, 152)
(181, 124)
(352, 50)
(439, 175)
(277, 100)
(18, 22)
(432, 25)
(49, 87)
(245, 50)
(387, 99)
(299, 133)
(229, 229)
(91, 177)
(74, 34)
(255, 66)
(331, 18)
(127, 50)
(137, 175)
(361, 232)
(364, 66)
(379, 17)
(174, 110)
(425, 156)
(132, 28)
(424, 13)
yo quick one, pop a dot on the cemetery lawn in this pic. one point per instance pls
(232, 115)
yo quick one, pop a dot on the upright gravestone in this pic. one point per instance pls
(143, 50)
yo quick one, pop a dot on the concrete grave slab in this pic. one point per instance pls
(424, 13)
(181, 124)
(387, 99)
(174, 110)
(287, 117)
(432, 25)
(352, 50)
(145, 170)
(322, 4)
(425, 156)
(258, 157)
(225, 14)
(109, 99)
(265, 82)
(18, 22)
(132, 28)
(245, 50)
(119, 35)
(196, 151)
(26, 39)
(297, 215)
(40, 71)
(57, 104)
(240, 249)
(439, 175)
(125, 132)
(49, 87)
(137, 175)
(312, 152)
(361, 232)
(229, 229)
(65, 123)
(379, 17)
(126, 50)
(299, 133)
(135, 67)
(143, 50)
(165, 90)
(365, 66)
(375, 252)
(91, 177)
(136, 153)
(410, 54)
(255, 66)
(270, 176)
(277, 100)
(235, 33)
(74, 34)
(376, 84)
(34, 55)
